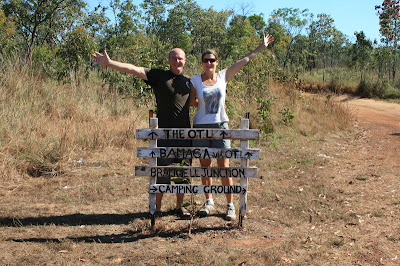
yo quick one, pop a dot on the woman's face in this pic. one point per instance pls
(209, 63)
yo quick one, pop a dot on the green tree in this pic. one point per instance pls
(300, 53)
(382, 57)
(258, 23)
(281, 39)
(128, 19)
(43, 21)
(96, 21)
(361, 52)
(178, 26)
(7, 36)
(241, 37)
(389, 21)
(293, 21)
(208, 29)
(155, 14)
(76, 51)
(321, 33)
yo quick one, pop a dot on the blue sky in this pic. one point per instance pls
(349, 15)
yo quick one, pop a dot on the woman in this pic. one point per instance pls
(210, 90)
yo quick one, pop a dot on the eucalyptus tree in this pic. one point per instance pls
(43, 21)
(96, 21)
(338, 46)
(122, 33)
(293, 21)
(281, 39)
(208, 29)
(258, 23)
(155, 12)
(178, 26)
(75, 52)
(361, 52)
(389, 21)
(241, 37)
(7, 36)
(300, 55)
(382, 58)
(321, 33)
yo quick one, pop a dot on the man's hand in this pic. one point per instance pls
(103, 60)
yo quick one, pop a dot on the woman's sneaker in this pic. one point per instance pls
(206, 209)
(230, 214)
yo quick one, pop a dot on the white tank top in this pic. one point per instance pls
(211, 108)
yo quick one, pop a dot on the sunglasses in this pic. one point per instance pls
(211, 60)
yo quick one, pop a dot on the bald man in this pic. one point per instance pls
(171, 89)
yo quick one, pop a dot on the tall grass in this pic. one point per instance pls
(346, 80)
(45, 124)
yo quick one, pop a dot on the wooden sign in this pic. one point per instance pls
(197, 153)
(244, 134)
(214, 189)
(184, 171)
(196, 133)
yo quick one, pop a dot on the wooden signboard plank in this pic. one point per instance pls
(213, 189)
(183, 171)
(196, 133)
(197, 153)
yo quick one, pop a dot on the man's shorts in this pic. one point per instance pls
(169, 161)
(215, 143)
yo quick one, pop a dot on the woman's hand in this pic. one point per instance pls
(267, 39)
(103, 60)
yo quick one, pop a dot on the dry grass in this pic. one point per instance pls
(69, 195)
(45, 125)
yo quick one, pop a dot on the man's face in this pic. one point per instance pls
(177, 60)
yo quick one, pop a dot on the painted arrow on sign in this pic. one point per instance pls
(248, 154)
(152, 135)
(223, 134)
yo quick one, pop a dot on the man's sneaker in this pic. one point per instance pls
(206, 209)
(230, 214)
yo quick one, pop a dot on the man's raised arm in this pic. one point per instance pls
(104, 60)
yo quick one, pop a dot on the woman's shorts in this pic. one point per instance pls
(215, 143)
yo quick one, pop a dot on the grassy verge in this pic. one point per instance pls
(344, 80)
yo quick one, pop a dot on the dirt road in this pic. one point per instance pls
(368, 175)
(381, 121)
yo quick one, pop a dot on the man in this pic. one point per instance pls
(171, 89)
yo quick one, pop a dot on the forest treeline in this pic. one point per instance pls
(57, 37)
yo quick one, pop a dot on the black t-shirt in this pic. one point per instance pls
(172, 97)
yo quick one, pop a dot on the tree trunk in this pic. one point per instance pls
(394, 63)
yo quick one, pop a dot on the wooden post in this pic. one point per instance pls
(152, 179)
(244, 144)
